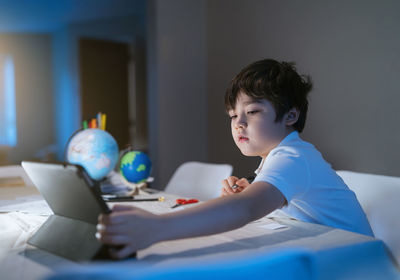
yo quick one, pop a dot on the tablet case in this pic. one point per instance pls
(76, 202)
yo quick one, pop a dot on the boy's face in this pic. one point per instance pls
(253, 126)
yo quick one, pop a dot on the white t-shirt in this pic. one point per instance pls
(313, 190)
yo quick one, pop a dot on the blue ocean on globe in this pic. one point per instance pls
(135, 166)
(94, 149)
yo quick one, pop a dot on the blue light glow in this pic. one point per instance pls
(8, 123)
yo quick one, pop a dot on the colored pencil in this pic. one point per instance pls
(103, 121)
(94, 124)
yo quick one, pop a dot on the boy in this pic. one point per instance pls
(267, 104)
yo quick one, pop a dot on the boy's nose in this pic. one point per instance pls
(241, 123)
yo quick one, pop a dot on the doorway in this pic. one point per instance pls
(104, 85)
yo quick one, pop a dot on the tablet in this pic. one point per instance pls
(76, 202)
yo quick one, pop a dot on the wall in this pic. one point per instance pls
(350, 48)
(33, 90)
(176, 85)
(128, 29)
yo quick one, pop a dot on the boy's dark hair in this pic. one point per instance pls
(278, 82)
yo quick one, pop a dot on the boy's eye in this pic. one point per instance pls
(232, 117)
(252, 112)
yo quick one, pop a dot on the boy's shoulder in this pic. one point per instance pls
(293, 144)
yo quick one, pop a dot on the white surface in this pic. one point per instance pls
(198, 180)
(273, 226)
(15, 171)
(33, 204)
(20, 261)
(379, 197)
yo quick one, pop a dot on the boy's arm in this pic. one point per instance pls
(223, 214)
(137, 229)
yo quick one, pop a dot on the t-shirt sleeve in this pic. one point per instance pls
(287, 170)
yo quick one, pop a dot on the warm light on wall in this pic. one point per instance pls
(8, 127)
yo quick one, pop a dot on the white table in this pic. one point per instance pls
(338, 253)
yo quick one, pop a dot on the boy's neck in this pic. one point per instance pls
(286, 133)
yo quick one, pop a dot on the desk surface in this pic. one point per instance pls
(22, 261)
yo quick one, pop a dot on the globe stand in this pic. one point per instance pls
(137, 189)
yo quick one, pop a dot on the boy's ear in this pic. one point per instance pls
(292, 116)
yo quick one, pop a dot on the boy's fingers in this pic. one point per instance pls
(104, 219)
(112, 239)
(242, 181)
(226, 187)
(232, 180)
(110, 229)
(229, 190)
(226, 191)
(223, 192)
(225, 183)
(111, 219)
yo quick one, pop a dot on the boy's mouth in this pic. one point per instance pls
(243, 139)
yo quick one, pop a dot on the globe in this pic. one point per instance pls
(135, 167)
(94, 149)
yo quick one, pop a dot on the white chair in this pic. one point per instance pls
(198, 180)
(379, 197)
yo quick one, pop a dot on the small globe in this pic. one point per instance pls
(135, 167)
(94, 149)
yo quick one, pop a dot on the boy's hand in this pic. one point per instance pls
(129, 227)
(230, 182)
